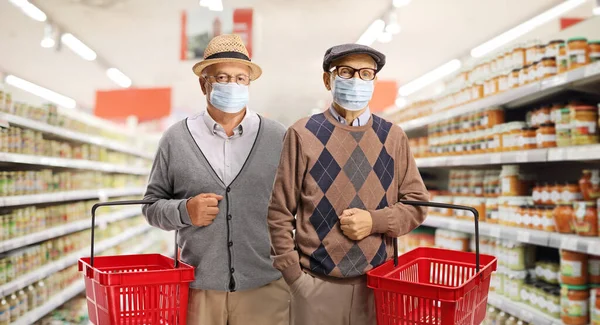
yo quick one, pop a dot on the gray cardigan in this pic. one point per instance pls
(233, 253)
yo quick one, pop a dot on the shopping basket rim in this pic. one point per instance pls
(85, 261)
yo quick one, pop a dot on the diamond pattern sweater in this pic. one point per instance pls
(327, 167)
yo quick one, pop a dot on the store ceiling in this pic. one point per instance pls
(141, 38)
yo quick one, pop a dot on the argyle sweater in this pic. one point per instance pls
(327, 167)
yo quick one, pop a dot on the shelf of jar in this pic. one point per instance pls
(588, 245)
(65, 196)
(71, 163)
(68, 228)
(522, 311)
(69, 293)
(513, 97)
(55, 266)
(67, 134)
(576, 153)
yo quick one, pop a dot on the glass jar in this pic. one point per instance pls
(584, 120)
(585, 218)
(513, 79)
(589, 184)
(563, 128)
(527, 138)
(575, 304)
(536, 194)
(518, 57)
(577, 50)
(594, 51)
(503, 81)
(555, 192)
(563, 214)
(594, 269)
(546, 136)
(569, 194)
(523, 77)
(546, 68)
(573, 268)
(563, 59)
(548, 219)
(552, 49)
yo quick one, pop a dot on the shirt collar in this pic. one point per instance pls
(215, 127)
(361, 120)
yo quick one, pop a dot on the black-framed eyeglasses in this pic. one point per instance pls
(346, 72)
(240, 79)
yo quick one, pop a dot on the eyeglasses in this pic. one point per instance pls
(240, 79)
(348, 72)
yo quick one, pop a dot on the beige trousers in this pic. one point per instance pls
(268, 305)
(318, 302)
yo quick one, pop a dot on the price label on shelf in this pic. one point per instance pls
(522, 156)
(554, 81)
(593, 249)
(453, 225)
(523, 236)
(495, 232)
(592, 69)
(568, 243)
(496, 159)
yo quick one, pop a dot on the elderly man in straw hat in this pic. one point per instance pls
(212, 176)
(342, 173)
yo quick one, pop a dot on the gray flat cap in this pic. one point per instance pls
(339, 51)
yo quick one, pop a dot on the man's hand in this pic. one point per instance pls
(356, 223)
(203, 208)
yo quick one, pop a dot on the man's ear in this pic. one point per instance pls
(327, 80)
(202, 82)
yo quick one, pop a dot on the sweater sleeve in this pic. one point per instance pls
(283, 207)
(400, 219)
(166, 213)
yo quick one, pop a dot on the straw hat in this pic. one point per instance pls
(227, 48)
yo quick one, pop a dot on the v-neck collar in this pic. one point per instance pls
(213, 172)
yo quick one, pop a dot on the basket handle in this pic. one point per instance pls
(446, 206)
(126, 202)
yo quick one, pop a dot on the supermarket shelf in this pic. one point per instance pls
(65, 262)
(522, 311)
(52, 197)
(575, 243)
(517, 96)
(70, 163)
(74, 136)
(65, 229)
(579, 153)
(65, 295)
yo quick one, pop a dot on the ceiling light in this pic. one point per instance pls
(30, 10)
(401, 3)
(596, 10)
(118, 77)
(524, 28)
(429, 78)
(401, 102)
(385, 37)
(214, 5)
(393, 28)
(47, 43)
(49, 39)
(78, 47)
(40, 91)
(372, 33)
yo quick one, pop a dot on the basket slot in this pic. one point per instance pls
(450, 275)
(399, 309)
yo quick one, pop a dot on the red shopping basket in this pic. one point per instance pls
(433, 286)
(145, 289)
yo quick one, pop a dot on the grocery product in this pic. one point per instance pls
(546, 136)
(584, 121)
(594, 51)
(563, 216)
(594, 269)
(585, 218)
(589, 184)
(575, 305)
(573, 268)
(577, 51)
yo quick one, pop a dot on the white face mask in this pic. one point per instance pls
(352, 94)
(229, 97)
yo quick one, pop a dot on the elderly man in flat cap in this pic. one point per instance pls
(213, 176)
(341, 175)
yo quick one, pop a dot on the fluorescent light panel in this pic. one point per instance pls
(372, 33)
(78, 47)
(40, 91)
(429, 78)
(118, 77)
(401, 102)
(401, 3)
(214, 5)
(524, 28)
(597, 11)
(30, 10)
(385, 37)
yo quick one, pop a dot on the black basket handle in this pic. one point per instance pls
(127, 202)
(446, 206)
